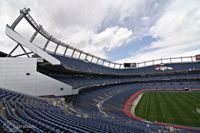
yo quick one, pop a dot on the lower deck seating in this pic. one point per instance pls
(32, 114)
(112, 99)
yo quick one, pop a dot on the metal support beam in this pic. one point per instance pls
(20, 39)
(114, 65)
(120, 65)
(22, 54)
(21, 16)
(86, 56)
(73, 52)
(18, 44)
(35, 34)
(65, 51)
(45, 46)
(98, 60)
(108, 64)
(103, 62)
(56, 47)
(79, 55)
(192, 58)
(13, 50)
(92, 58)
(24, 50)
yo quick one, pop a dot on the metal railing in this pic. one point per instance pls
(167, 60)
(84, 55)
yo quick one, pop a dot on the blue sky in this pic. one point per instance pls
(129, 49)
(119, 30)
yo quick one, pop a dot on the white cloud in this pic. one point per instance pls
(99, 27)
(112, 37)
(99, 43)
(177, 32)
(145, 18)
(74, 22)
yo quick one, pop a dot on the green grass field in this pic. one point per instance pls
(181, 108)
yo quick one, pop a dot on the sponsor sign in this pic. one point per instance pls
(197, 57)
(162, 67)
(129, 64)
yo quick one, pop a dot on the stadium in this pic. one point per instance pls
(55, 87)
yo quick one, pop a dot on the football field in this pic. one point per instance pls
(180, 108)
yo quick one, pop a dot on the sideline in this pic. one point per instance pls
(127, 110)
(135, 103)
(128, 105)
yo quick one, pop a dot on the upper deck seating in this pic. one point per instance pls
(88, 67)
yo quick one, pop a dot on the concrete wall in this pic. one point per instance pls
(20, 74)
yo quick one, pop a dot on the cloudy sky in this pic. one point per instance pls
(118, 30)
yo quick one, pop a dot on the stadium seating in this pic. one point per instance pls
(81, 81)
(88, 67)
(99, 106)
(32, 114)
(102, 91)
(112, 100)
(96, 110)
(81, 74)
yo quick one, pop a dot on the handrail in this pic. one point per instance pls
(24, 13)
(167, 60)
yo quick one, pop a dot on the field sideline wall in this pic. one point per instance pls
(20, 74)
